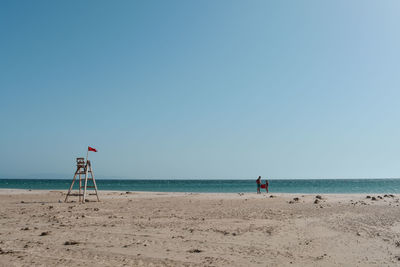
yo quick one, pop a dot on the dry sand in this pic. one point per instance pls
(182, 229)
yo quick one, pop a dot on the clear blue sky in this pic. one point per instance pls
(200, 89)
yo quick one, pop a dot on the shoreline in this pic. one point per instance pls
(32, 191)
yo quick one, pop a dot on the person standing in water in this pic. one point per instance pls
(266, 185)
(258, 181)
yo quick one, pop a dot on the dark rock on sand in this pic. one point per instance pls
(44, 233)
(373, 198)
(69, 243)
(318, 197)
(195, 250)
(316, 201)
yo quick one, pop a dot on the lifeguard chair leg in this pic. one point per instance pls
(84, 189)
(94, 183)
(70, 188)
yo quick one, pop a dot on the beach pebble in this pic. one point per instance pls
(194, 250)
(69, 243)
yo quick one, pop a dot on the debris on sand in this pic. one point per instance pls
(195, 250)
(296, 199)
(373, 198)
(25, 229)
(69, 243)
(5, 251)
(316, 201)
(45, 233)
(318, 197)
(368, 197)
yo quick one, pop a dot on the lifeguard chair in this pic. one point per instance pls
(83, 169)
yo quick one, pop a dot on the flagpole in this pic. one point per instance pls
(87, 154)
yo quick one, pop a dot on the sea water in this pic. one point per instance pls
(220, 186)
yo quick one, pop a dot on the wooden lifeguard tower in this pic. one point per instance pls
(83, 169)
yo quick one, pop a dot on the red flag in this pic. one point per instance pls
(92, 149)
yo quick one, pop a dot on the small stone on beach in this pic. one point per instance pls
(69, 243)
(195, 250)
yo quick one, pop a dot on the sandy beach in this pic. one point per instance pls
(198, 229)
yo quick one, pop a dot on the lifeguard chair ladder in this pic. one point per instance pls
(82, 171)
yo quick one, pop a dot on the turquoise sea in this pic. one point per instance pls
(221, 186)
